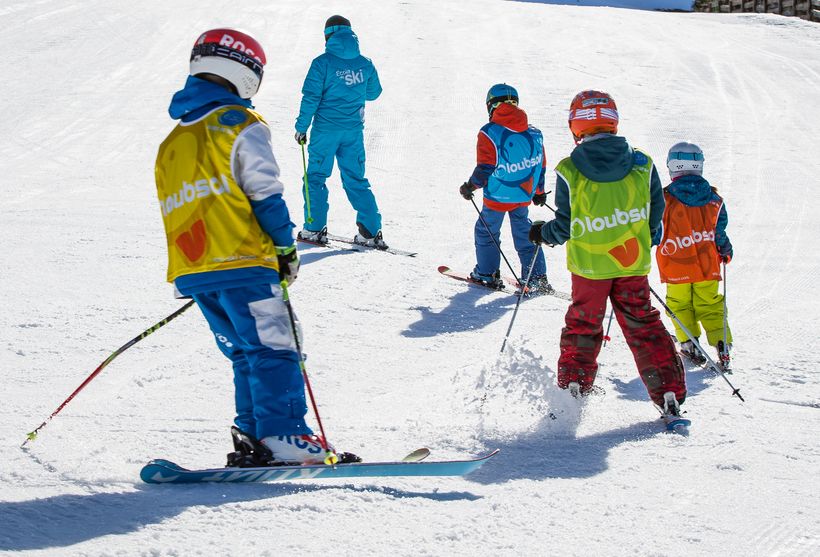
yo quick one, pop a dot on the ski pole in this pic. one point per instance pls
(492, 237)
(33, 434)
(330, 456)
(309, 218)
(608, 325)
(697, 344)
(725, 317)
(520, 295)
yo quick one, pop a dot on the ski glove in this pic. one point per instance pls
(726, 258)
(466, 190)
(535, 233)
(539, 199)
(300, 137)
(288, 263)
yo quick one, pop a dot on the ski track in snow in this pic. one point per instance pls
(400, 357)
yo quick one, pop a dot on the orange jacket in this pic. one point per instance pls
(687, 252)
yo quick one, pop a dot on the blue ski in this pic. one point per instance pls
(676, 424)
(165, 471)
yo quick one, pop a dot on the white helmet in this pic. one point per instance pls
(231, 55)
(684, 158)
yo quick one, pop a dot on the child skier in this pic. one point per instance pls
(510, 163)
(609, 203)
(693, 246)
(336, 87)
(230, 243)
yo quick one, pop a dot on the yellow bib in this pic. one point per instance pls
(208, 219)
(609, 222)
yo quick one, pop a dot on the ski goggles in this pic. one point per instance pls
(214, 49)
(680, 156)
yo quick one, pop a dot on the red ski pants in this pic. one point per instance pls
(658, 362)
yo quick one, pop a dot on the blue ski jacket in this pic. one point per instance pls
(337, 85)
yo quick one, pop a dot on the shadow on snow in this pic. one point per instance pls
(463, 313)
(65, 520)
(540, 455)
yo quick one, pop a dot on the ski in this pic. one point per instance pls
(676, 424)
(164, 471)
(355, 246)
(447, 272)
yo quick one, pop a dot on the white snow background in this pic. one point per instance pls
(400, 356)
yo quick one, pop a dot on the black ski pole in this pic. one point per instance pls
(697, 344)
(520, 295)
(481, 218)
(33, 434)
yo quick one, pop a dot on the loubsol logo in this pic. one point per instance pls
(672, 245)
(580, 226)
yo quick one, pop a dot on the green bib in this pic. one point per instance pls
(609, 222)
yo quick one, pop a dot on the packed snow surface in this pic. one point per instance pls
(399, 356)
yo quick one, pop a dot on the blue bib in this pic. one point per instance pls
(519, 161)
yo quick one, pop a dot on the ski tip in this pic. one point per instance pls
(443, 269)
(680, 426)
(417, 456)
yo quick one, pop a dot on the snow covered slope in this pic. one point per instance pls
(399, 356)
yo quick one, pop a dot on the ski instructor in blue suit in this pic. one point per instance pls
(333, 96)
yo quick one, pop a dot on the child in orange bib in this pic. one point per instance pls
(690, 253)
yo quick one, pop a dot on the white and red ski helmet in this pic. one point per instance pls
(232, 55)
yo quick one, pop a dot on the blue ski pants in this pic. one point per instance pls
(252, 328)
(487, 253)
(346, 146)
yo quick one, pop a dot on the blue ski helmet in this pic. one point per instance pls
(501, 93)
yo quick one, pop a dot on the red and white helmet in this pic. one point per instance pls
(231, 55)
(592, 112)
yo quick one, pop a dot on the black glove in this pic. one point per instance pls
(466, 190)
(539, 199)
(535, 232)
(288, 263)
(300, 137)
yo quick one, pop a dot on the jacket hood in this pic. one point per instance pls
(510, 116)
(343, 43)
(603, 158)
(692, 190)
(199, 96)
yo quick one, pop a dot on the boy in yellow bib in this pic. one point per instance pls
(230, 243)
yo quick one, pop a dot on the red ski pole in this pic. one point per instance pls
(33, 434)
(330, 456)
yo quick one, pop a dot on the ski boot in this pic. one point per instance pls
(248, 451)
(672, 415)
(691, 353)
(303, 449)
(724, 355)
(539, 286)
(493, 281)
(313, 236)
(365, 238)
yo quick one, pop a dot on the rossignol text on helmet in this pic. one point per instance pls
(592, 112)
(231, 55)
(684, 158)
(501, 93)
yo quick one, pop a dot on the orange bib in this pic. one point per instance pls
(688, 252)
